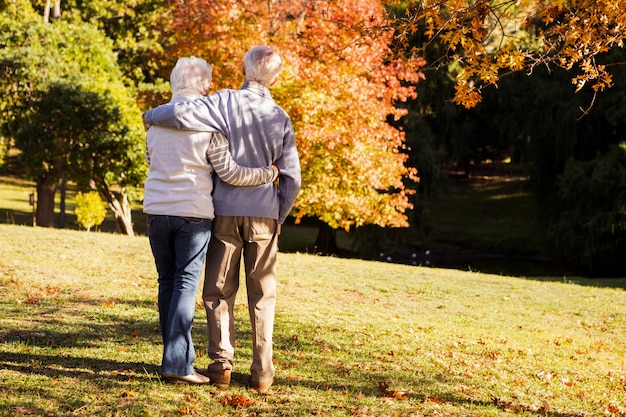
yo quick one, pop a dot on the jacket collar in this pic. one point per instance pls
(257, 88)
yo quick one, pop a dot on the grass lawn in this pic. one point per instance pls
(80, 337)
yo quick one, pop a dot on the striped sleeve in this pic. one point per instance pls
(230, 171)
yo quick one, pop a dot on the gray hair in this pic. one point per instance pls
(262, 64)
(191, 73)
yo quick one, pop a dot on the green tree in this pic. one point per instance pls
(134, 30)
(68, 109)
(588, 215)
(78, 134)
(90, 210)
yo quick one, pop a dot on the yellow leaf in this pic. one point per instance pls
(130, 394)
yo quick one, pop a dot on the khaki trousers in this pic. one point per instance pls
(257, 239)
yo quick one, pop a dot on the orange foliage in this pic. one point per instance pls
(487, 37)
(338, 85)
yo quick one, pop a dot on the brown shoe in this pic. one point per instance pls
(220, 379)
(194, 379)
(262, 387)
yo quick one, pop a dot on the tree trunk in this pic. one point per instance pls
(62, 216)
(56, 14)
(326, 241)
(118, 205)
(56, 11)
(46, 189)
(122, 212)
(46, 12)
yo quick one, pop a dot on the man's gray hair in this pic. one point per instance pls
(262, 64)
(191, 73)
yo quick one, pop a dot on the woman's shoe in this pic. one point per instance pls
(194, 378)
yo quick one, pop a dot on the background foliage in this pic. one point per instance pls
(381, 93)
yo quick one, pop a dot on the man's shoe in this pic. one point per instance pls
(194, 378)
(220, 379)
(262, 387)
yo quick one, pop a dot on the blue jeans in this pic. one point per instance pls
(179, 246)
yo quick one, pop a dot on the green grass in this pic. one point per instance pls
(80, 337)
(490, 215)
(15, 206)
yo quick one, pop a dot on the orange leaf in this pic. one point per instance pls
(383, 386)
(397, 395)
(130, 394)
(236, 401)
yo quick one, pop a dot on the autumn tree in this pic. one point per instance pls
(489, 38)
(338, 85)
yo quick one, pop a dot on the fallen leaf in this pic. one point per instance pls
(236, 401)
(188, 411)
(130, 394)
(398, 395)
(434, 399)
(192, 399)
(338, 364)
(383, 386)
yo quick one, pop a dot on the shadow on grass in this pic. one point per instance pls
(85, 375)
(16, 217)
(99, 371)
(47, 326)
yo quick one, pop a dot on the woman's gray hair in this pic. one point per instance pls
(191, 73)
(262, 64)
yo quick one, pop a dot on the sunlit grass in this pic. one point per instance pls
(80, 336)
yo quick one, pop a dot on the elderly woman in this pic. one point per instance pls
(179, 207)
